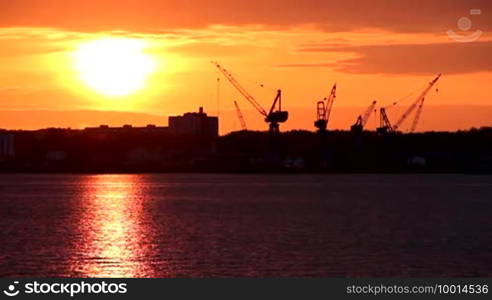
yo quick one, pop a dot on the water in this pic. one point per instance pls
(206, 225)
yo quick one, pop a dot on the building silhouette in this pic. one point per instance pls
(195, 123)
(189, 124)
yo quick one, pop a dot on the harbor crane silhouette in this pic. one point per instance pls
(274, 116)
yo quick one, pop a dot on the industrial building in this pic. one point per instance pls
(105, 129)
(191, 124)
(195, 123)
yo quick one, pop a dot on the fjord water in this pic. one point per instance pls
(211, 225)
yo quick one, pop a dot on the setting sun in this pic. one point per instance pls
(114, 66)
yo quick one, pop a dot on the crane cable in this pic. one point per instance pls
(418, 112)
(406, 97)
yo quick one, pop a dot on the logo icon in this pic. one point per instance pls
(11, 291)
(465, 24)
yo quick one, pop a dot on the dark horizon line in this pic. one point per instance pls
(3, 130)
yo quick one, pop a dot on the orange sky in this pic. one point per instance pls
(377, 49)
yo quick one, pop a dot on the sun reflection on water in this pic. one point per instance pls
(113, 239)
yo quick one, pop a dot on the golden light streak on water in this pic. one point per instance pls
(111, 223)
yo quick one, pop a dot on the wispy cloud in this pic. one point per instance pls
(420, 59)
(331, 15)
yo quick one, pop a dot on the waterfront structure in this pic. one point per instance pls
(194, 123)
(190, 124)
(127, 128)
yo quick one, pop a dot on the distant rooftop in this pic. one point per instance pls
(190, 123)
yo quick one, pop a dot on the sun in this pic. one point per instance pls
(114, 66)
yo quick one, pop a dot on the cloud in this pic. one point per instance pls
(332, 15)
(29, 48)
(418, 59)
(22, 41)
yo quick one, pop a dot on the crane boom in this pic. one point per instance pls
(274, 117)
(278, 99)
(416, 103)
(241, 90)
(240, 116)
(385, 120)
(361, 121)
(367, 113)
(323, 110)
(417, 116)
(329, 102)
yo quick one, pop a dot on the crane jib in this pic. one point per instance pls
(241, 90)
(417, 104)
